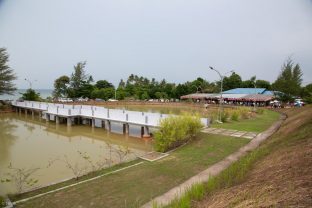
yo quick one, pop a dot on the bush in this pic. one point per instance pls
(235, 116)
(245, 114)
(224, 116)
(31, 95)
(175, 131)
(2, 202)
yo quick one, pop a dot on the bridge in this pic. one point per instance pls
(96, 116)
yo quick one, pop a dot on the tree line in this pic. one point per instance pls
(80, 84)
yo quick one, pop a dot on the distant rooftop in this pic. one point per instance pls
(246, 91)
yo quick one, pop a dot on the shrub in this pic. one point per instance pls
(224, 116)
(235, 116)
(244, 113)
(2, 202)
(175, 131)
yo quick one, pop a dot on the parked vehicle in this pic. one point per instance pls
(112, 100)
(65, 100)
(298, 102)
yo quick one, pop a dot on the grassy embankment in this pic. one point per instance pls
(139, 184)
(276, 174)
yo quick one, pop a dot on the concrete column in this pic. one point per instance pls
(47, 117)
(26, 111)
(69, 121)
(93, 122)
(20, 110)
(32, 112)
(103, 124)
(146, 132)
(109, 126)
(57, 119)
(125, 128)
(142, 131)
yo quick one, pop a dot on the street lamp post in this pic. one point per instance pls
(255, 96)
(221, 91)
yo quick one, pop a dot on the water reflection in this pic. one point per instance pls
(7, 138)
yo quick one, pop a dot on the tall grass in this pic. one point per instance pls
(176, 130)
(233, 114)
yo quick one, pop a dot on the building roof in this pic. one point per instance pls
(230, 97)
(258, 97)
(245, 91)
(198, 96)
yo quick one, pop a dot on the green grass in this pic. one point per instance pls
(137, 185)
(236, 173)
(256, 124)
(2, 202)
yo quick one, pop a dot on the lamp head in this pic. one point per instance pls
(211, 67)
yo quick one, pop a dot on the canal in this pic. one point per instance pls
(52, 153)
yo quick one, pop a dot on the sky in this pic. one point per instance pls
(173, 39)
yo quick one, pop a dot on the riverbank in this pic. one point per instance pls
(145, 181)
(278, 174)
(139, 184)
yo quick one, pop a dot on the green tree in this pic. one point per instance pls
(263, 84)
(120, 94)
(6, 74)
(61, 86)
(103, 84)
(249, 83)
(289, 80)
(231, 82)
(122, 84)
(85, 90)
(79, 79)
(306, 93)
(31, 95)
(104, 93)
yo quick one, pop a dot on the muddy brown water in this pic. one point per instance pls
(28, 142)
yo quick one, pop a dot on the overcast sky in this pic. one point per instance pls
(172, 39)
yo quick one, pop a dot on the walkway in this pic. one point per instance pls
(213, 170)
(230, 132)
(96, 112)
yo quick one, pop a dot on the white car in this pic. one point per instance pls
(112, 100)
(65, 100)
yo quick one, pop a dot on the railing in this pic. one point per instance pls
(96, 112)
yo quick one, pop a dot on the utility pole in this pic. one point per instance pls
(221, 91)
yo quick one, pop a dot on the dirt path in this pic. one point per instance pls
(215, 169)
